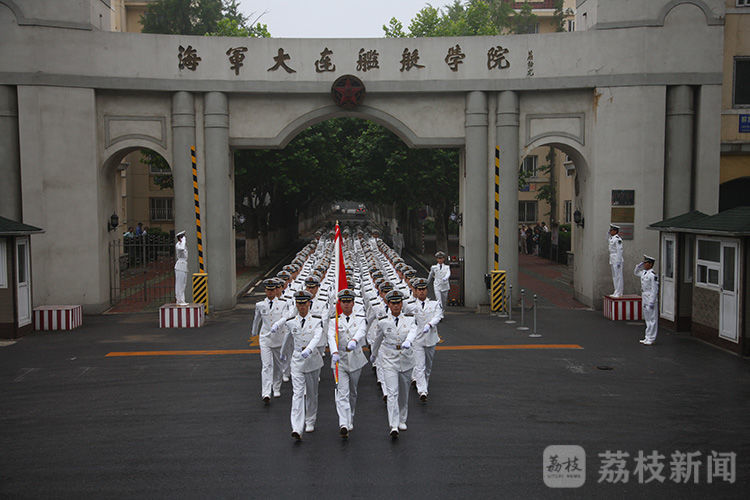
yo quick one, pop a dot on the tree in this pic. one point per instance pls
(182, 17)
(524, 21)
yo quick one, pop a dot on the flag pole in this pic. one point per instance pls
(338, 256)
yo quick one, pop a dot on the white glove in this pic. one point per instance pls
(351, 345)
(305, 353)
(274, 328)
(650, 307)
(406, 345)
(372, 359)
(282, 357)
(426, 328)
(335, 357)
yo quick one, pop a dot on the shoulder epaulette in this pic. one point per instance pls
(408, 314)
(360, 315)
(316, 316)
(383, 317)
(282, 299)
(289, 319)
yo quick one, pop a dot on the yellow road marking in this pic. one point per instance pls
(254, 340)
(257, 351)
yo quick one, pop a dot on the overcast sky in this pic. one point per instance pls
(332, 18)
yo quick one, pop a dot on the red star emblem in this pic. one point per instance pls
(348, 91)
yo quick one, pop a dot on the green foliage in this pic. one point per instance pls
(200, 17)
(394, 29)
(156, 162)
(472, 18)
(524, 21)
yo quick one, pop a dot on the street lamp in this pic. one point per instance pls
(114, 221)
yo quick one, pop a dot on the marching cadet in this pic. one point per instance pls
(303, 332)
(348, 353)
(267, 312)
(394, 335)
(428, 314)
(615, 258)
(649, 297)
(440, 274)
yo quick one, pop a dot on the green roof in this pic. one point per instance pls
(734, 222)
(680, 221)
(12, 228)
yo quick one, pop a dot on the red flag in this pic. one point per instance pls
(340, 270)
(339, 266)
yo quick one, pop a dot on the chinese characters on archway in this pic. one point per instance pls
(367, 59)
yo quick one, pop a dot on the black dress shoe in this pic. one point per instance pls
(394, 433)
(296, 436)
(266, 400)
(423, 397)
(344, 432)
(385, 398)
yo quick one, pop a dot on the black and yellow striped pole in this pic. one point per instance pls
(497, 292)
(200, 279)
(497, 209)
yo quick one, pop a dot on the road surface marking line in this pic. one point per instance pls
(257, 351)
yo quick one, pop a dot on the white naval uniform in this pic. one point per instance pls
(180, 270)
(649, 299)
(354, 328)
(427, 312)
(395, 363)
(267, 312)
(440, 275)
(304, 334)
(615, 262)
(320, 307)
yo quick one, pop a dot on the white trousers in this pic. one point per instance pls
(423, 358)
(617, 279)
(441, 297)
(397, 390)
(180, 278)
(304, 399)
(270, 370)
(346, 396)
(287, 366)
(651, 316)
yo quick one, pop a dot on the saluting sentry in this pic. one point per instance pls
(649, 297)
(394, 336)
(267, 312)
(303, 332)
(440, 274)
(428, 314)
(347, 352)
(615, 258)
(180, 268)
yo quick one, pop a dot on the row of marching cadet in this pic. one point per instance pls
(384, 306)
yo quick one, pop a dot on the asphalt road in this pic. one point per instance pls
(75, 423)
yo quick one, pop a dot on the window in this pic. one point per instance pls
(689, 255)
(161, 209)
(669, 258)
(158, 170)
(529, 166)
(571, 25)
(527, 211)
(708, 263)
(3, 263)
(741, 82)
(743, 3)
(568, 211)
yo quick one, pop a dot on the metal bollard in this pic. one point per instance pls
(523, 298)
(509, 303)
(534, 334)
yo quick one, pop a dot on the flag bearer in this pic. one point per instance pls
(348, 353)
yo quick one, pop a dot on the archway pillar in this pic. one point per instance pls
(183, 137)
(219, 205)
(507, 130)
(475, 232)
(678, 167)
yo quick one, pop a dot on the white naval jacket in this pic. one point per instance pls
(649, 285)
(426, 312)
(615, 249)
(303, 337)
(388, 338)
(441, 277)
(355, 330)
(266, 314)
